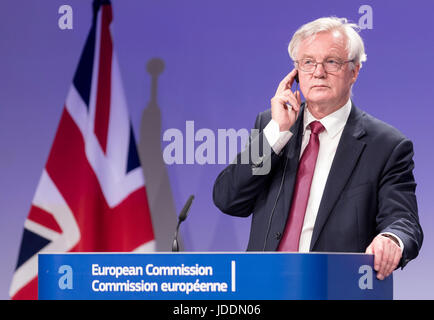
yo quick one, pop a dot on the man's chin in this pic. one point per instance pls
(320, 98)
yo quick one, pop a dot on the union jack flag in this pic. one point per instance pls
(91, 196)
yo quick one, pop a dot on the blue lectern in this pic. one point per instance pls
(213, 276)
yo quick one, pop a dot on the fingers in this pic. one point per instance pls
(291, 98)
(388, 261)
(285, 105)
(378, 258)
(286, 83)
(387, 255)
(392, 259)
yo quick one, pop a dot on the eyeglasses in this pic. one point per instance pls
(329, 65)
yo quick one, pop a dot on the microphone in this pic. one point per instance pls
(182, 216)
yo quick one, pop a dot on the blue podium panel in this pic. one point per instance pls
(210, 276)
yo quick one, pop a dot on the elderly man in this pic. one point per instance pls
(340, 180)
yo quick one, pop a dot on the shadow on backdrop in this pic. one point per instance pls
(164, 217)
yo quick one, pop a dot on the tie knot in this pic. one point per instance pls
(316, 127)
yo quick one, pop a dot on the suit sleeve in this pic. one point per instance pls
(398, 212)
(238, 185)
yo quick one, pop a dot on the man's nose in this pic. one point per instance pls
(319, 71)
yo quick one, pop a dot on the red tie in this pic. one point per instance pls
(306, 168)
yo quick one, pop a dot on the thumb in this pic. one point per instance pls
(369, 250)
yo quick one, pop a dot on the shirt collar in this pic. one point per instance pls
(333, 123)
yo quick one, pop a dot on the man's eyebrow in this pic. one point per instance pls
(305, 56)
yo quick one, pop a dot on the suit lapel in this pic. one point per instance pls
(344, 162)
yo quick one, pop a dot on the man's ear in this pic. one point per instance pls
(355, 72)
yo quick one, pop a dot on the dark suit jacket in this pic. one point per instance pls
(370, 189)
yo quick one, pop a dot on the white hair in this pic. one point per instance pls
(354, 46)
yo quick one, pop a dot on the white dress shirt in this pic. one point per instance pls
(334, 124)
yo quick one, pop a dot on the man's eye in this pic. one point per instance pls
(308, 62)
(332, 62)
